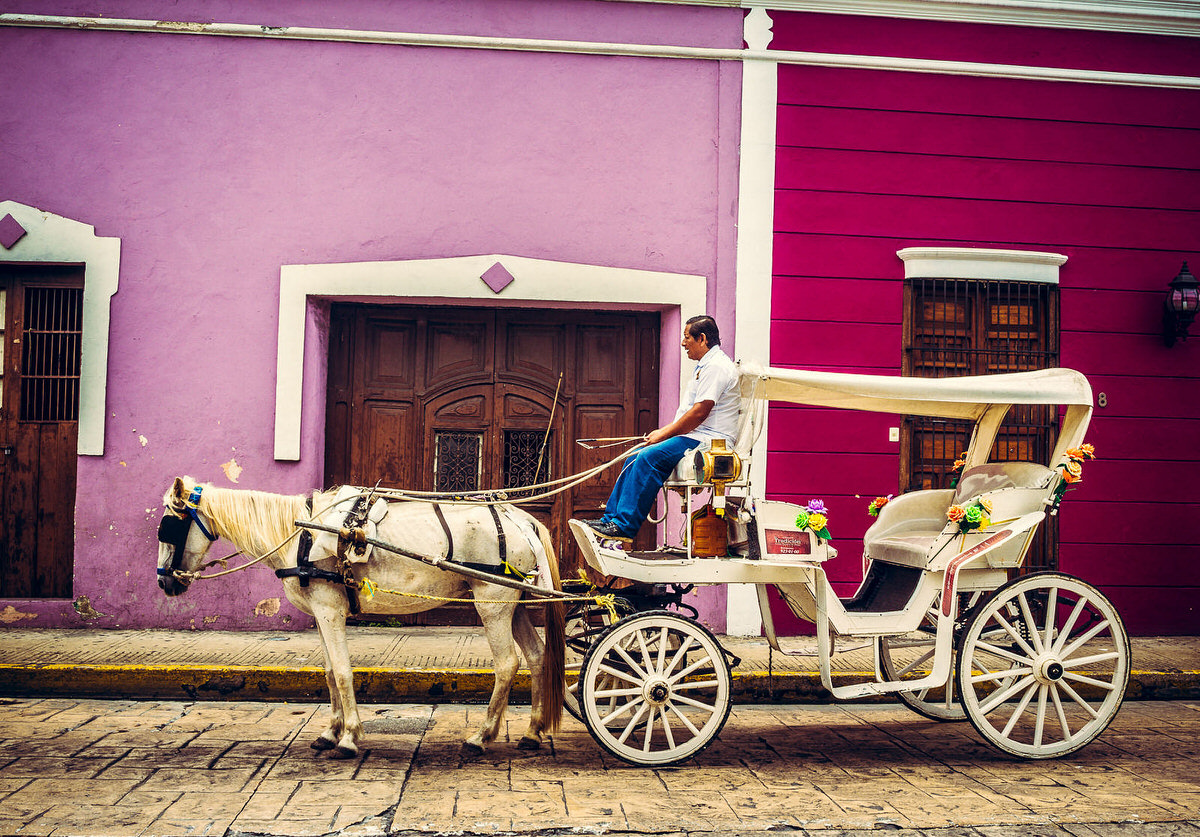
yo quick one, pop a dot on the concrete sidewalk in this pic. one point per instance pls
(419, 665)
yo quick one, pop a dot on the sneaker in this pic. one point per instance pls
(608, 529)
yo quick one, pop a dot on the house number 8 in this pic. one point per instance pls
(1103, 399)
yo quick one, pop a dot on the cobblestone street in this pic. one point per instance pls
(76, 767)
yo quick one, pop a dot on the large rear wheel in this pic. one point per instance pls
(1043, 665)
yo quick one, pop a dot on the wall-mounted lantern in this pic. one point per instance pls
(1179, 308)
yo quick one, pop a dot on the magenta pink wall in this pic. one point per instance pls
(217, 160)
(872, 162)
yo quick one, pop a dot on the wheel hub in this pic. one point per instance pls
(656, 692)
(1048, 669)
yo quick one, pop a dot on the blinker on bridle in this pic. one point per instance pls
(174, 527)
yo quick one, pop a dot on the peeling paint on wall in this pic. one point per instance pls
(10, 614)
(232, 470)
(83, 606)
(267, 607)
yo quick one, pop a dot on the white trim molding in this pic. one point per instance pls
(459, 280)
(813, 59)
(53, 239)
(756, 234)
(980, 263)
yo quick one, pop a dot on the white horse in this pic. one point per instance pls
(257, 523)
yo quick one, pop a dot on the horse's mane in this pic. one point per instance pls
(254, 520)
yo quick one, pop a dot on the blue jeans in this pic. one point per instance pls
(641, 477)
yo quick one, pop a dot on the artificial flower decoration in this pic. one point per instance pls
(976, 515)
(1071, 468)
(815, 517)
(956, 471)
(877, 504)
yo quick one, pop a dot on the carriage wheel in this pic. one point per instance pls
(655, 689)
(1043, 665)
(910, 656)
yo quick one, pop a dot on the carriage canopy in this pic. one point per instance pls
(983, 399)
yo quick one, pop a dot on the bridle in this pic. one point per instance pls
(174, 528)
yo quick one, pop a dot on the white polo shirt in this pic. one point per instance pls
(715, 380)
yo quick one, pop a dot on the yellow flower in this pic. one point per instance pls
(816, 522)
(1088, 450)
(986, 503)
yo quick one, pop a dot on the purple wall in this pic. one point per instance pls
(217, 160)
(872, 162)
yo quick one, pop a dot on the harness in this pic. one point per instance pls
(175, 526)
(305, 571)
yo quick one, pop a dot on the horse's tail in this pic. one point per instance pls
(554, 661)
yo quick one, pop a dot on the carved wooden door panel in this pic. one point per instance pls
(466, 399)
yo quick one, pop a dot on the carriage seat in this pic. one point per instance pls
(912, 528)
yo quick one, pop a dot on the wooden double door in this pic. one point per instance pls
(466, 399)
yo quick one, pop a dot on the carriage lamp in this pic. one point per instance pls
(1179, 308)
(717, 465)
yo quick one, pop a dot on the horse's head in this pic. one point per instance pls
(184, 535)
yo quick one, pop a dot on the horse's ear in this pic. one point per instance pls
(179, 490)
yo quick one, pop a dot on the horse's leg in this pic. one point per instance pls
(531, 646)
(498, 627)
(329, 609)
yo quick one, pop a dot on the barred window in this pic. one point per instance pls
(959, 327)
(457, 461)
(50, 362)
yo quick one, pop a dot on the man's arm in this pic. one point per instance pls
(686, 423)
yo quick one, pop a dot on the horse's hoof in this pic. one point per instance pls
(340, 752)
(322, 744)
(528, 742)
(470, 749)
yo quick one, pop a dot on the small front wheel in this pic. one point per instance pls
(1043, 665)
(655, 689)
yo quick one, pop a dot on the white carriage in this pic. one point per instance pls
(1038, 663)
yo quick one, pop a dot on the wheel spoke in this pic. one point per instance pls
(1000, 696)
(638, 670)
(666, 725)
(684, 719)
(696, 684)
(641, 638)
(1065, 635)
(1087, 707)
(633, 722)
(1084, 638)
(604, 693)
(1051, 612)
(681, 654)
(1090, 681)
(620, 675)
(1062, 714)
(707, 707)
(662, 650)
(1040, 725)
(617, 713)
(1020, 710)
(1095, 658)
(705, 660)
(1002, 674)
(920, 661)
(1031, 623)
(1003, 652)
(1015, 635)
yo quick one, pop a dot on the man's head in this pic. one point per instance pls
(699, 335)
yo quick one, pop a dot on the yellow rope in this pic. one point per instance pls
(369, 588)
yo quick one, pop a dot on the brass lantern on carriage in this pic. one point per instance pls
(717, 465)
